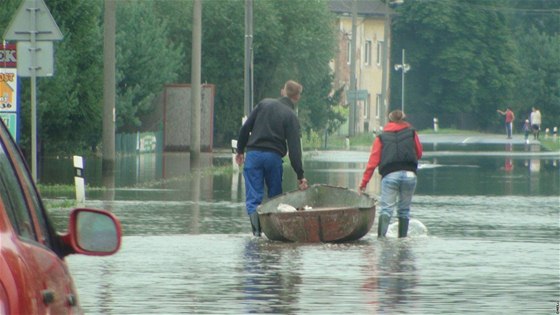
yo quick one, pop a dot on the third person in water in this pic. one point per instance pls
(396, 153)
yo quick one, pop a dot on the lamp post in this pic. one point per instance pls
(403, 67)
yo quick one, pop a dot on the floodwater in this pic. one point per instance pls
(492, 214)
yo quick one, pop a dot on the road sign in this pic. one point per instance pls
(357, 95)
(33, 16)
(33, 25)
(44, 62)
(10, 119)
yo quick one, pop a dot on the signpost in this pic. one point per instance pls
(34, 28)
(357, 95)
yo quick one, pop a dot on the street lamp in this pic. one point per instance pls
(403, 67)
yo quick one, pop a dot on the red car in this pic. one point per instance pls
(34, 278)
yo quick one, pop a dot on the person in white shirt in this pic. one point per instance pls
(536, 122)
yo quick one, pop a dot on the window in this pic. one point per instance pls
(378, 106)
(13, 193)
(379, 52)
(367, 107)
(13, 199)
(367, 53)
(349, 51)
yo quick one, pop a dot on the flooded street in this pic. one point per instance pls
(492, 213)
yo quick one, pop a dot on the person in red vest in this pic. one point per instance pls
(396, 152)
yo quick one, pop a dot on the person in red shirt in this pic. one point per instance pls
(510, 116)
(396, 153)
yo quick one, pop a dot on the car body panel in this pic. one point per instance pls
(34, 277)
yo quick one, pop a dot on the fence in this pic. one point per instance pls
(140, 142)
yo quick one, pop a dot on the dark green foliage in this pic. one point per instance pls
(461, 57)
(69, 103)
(539, 83)
(146, 61)
(467, 57)
(292, 41)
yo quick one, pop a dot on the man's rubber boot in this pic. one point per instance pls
(383, 225)
(255, 223)
(403, 227)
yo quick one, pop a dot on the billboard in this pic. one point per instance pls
(9, 88)
(177, 117)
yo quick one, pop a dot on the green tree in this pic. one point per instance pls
(543, 15)
(146, 61)
(294, 41)
(68, 101)
(537, 25)
(461, 57)
(178, 17)
(539, 84)
(9, 8)
(71, 99)
(308, 28)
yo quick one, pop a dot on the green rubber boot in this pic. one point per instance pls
(403, 227)
(383, 225)
(255, 224)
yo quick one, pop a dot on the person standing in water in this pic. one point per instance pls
(396, 152)
(271, 131)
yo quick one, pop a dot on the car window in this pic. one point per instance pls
(16, 189)
(37, 206)
(13, 199)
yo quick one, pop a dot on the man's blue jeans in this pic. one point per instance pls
(397, 189)
(261, 167)
(509, 127)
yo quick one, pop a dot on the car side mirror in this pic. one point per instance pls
(93, 232)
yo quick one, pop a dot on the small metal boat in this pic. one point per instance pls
(322, 213)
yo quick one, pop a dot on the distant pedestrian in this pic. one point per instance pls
(536, 122)
(396, 152)
(510, 116)
(527, 129)
(271, 131)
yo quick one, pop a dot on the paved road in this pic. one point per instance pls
(473, 138)
(357, 152)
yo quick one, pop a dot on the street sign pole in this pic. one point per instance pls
(31, 26)
(33, 68)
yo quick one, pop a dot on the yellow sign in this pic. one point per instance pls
(8, 99)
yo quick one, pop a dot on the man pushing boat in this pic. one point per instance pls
(271, 131)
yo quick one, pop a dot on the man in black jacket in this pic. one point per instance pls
(271, 130)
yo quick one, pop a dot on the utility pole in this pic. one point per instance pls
(109, 87)
(384, 66)
(248, 104)
(352, 114)
(195, 84)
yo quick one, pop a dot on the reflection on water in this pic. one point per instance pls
(492, 244)
(397, 276)
(480, 257)
(238, 274)
(263, 280)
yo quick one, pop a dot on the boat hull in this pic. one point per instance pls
(333, 214)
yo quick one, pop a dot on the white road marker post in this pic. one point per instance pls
(235, 175)
(79, 180)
